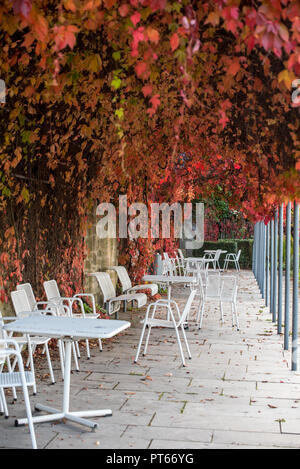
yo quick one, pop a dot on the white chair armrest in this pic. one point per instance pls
(89, 295)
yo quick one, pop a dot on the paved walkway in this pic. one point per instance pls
(236, 392)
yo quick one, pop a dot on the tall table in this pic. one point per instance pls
(170, 280)
(67, 329)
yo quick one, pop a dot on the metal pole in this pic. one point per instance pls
(267, 263)
(295, 286)
(264, 261)
(287, 277)
(280, 269)
(258, 256)
(261, 244)
(271, 264)
(275, 266)
(253, 249)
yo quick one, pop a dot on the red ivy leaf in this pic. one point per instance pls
(141, 68)
(147, 90)
(174, 41)
(124, 9)
(22, 7)
(135, 18)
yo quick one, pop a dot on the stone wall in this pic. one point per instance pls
(101, 254)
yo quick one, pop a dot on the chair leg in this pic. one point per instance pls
(61, 356)
(28, 358)
(201, 315)
(236, 316)
(147, 340)
(180, 346)
(88, 349)
(100, 345)
(77, 349)
(49, 364)
(31, 362)
(221, 309)
(198, 311)
(29, 414)
(75, 356)
(140, 342)
(3, 403)
(10, 371)
(186, 342)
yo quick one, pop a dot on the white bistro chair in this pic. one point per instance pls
(22, 309)
(112, 302)
(232, 257)
(150, 321)
(126, 284)
(224, 290)
(54, 296)
(48, 307)
(9, 347)
(182, 260)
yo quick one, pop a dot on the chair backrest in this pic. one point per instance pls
(123, 277)
(51, 290)
(228, 288)
(21, 303)
(217, 254)
(2, 344)
(170, 268)
(165, 267)
(30, 295)
(180, 253)
(187, 307)
(213, 285)
(238, 254)
(105, 284)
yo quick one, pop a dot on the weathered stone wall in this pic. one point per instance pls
(101, 254)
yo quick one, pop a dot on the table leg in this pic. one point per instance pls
(65, 413)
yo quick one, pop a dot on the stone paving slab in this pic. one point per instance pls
(237, 391)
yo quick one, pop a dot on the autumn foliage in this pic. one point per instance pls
(103, 97)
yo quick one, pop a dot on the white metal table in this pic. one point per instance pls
(67, 329)
(170, 280)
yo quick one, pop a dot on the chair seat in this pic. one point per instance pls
(160, 323)
(8, 380)
(35, 340)
(140, 298)
(86, 316)
(151, 286)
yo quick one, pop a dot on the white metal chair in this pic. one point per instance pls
(170, 264)
(54, 296)
(22, 309)
(126, 284)
(212, 290)
(214, 259)
(9, 347)
(232, 257)
(34, 304)
(111, 301)
(223, 289)
(4, 360)
(172, 323)
(50, 308)
(228, 294)
(179, 264)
